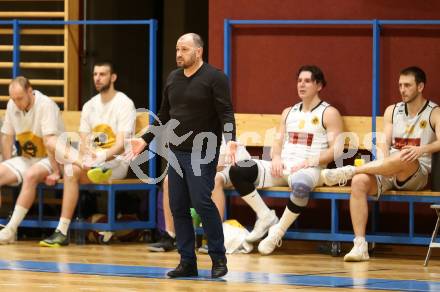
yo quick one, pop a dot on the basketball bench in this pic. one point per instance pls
(111, 188)
(258, 130)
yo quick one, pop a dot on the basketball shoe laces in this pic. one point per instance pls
(339, 175)
(277, 236)
(342, 179)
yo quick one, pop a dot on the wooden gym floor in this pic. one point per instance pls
(24, 266)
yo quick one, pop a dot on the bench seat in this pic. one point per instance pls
(258, 130)
(71, 122)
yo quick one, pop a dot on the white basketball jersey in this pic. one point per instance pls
(413, 131)
(305, 134)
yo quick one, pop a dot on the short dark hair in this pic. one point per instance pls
(317, 74)
(419, 74)
(106, 63)
(197, 39)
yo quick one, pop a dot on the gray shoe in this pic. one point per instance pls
(57, 239)
(166, 243)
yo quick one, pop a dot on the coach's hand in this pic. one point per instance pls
(133, 147)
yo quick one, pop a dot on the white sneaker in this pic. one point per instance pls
(262, 226)
(358, 253)
(272, 241)
(339, 175)
(7, 236)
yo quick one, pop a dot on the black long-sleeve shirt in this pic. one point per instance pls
(201, 103)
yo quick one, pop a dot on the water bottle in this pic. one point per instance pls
(196, 218)
(80, 234)
(196, 223)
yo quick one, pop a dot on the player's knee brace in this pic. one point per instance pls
(301, 185)
(243, 177)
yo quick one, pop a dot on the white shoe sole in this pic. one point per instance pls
(265, 252)
(350, 258)
(7, 242)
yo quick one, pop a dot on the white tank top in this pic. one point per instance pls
(414, 131)
(305, 134)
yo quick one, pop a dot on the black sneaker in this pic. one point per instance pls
(166, 243)
(219, 268)
(57, 239)
(184, 270)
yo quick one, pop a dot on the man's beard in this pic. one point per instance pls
(188, 64)
(412, 98)
(104, 88)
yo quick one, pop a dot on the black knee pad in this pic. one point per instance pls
(299, 197)
(294, 208)
(243, 177)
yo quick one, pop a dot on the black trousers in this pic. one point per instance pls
(195, 188)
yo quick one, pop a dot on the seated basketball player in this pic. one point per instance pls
(168, 241)
(106, 120)
(303, 146)
(412, 133)
(34, 120)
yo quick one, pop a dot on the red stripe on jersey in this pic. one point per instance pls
(301, 138)
(400, 142)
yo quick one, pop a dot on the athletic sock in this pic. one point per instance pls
(257, 204)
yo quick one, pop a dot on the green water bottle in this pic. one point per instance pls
(196, 223)
(196, 218)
